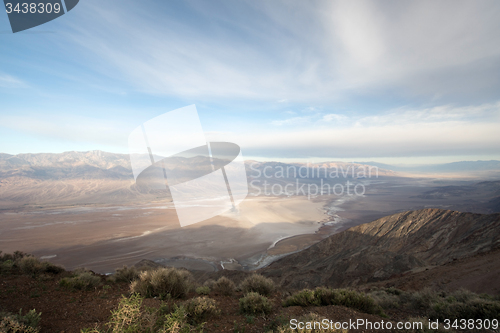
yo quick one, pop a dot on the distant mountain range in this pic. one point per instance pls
(85, 165)
(454, 167)
(97, 176)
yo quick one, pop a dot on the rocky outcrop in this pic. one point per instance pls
(389, 247)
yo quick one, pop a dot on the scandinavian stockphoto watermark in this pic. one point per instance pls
(170, 154)
(311, 180)
(26, 14)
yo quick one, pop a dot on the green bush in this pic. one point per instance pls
(440, 305)
(254, 303)
(6, 266)
(126, 318)
(387, 300)
(201, 308)
(12, 257)
(204, 290)
(33, 266)
(305, 297)
(126, 274)
(342, 297)
(19, 323)
(476, 308)
(259, 284)
(420, 300)
(224, 286)
(162, 282)
(81, 281)
(131, 316)
(209, 283)
(176, 322)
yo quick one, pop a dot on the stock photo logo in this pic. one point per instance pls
(24, 14)
(170, 154)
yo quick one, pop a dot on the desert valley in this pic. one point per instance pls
(85, 210)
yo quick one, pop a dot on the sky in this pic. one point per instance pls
(412, 82)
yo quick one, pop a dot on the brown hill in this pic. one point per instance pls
(389, 247)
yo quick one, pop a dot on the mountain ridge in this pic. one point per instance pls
(387, 247)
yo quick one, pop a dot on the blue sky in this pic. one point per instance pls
(399, 82)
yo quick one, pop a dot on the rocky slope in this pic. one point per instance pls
(388, 247)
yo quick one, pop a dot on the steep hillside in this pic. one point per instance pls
(388, 247)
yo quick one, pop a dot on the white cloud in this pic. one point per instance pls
(439, 131)
(333, 117)
(292, 121)
(8, 81)
(321, 51)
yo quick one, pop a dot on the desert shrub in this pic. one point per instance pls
(209, 283)
(19, 323)
(33, 266)
(473, 308)
(420, 300)
(259, 284)
(313, 324)
(81, 281)
(254, 303)
(131, 316)
(441, 305)
(464, 296)
(393, 291)
(29, 265)
(52, 268)
(385, 299)
(201, 308)
(203, 290)
(126, 274)
(126, 318)
(305, 297)
(176, 322)
(13, 257)
(224, 286)
(343, 297)
(6, 266)
(162, 282)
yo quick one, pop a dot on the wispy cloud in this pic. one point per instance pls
(8, 81)
(70, 128)
(293, 121)
(439, 131)
(351, 48)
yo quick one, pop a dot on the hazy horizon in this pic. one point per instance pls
(388, 161)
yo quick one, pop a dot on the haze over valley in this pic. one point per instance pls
(84, 209)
